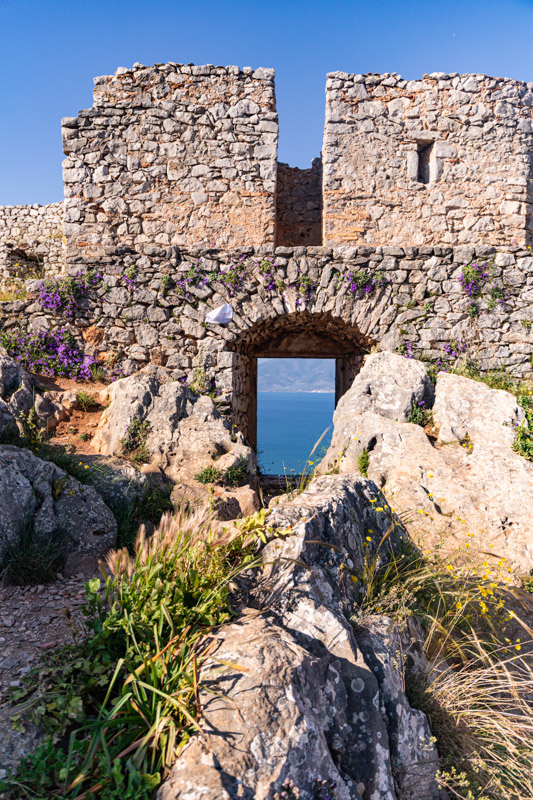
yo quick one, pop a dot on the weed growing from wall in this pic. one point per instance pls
(60, 295)
(134, 440)
(49, 353)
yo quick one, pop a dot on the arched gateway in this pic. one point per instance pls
(298, 334)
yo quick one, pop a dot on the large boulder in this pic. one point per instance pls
(464, 482)
(36, 494)
(292, 691)
(388, 385)
(184, 432)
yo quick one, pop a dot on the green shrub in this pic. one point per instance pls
(238, 474)
(86, 400)
(420, 415)
(209, 475)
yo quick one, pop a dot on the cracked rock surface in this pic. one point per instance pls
(465, 482)
(292, 690)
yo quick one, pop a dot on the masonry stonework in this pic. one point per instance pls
(175, 200)
(442, 160)
(172, 155)
(297, 302)
(31, 240)
(299, 205)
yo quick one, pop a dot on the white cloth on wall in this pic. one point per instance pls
(221, 315)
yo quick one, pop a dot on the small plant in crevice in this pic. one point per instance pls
(167, 283)
(419, 414)
(86, 400)
(364, 280)
(128, 276)
(523, 443)
(363, 461)
(209, 474)
(134, 439)
(238, 474)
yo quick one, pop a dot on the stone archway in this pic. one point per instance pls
(300, 334)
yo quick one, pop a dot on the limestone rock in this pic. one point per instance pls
(37, 492)
(448, 486)
(185, 432)
(465, 407)
(388, 385)
(19, 395)
(296, 694)
(226, 502)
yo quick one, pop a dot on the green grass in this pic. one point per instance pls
(237, 475)
(479, 701)
(32, 559)
(120, 703)
(363, 461)
(86, 400)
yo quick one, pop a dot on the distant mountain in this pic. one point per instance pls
(296, 375)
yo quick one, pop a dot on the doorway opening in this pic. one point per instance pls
(295, 405)
(301, 335)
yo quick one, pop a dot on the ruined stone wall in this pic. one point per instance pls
(148, 310)
(442, 160)
(172, 155)
(299, 205)
(31, 240)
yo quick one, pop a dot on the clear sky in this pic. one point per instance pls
(51, 50)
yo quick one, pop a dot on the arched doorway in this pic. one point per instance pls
(300, 334)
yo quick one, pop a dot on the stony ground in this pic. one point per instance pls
(33, 620)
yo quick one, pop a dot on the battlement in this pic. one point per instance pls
(179, 156)
(172, 155)
(442, 160)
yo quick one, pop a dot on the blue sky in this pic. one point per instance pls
(51, 50)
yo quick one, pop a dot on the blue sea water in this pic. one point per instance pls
(288, 426)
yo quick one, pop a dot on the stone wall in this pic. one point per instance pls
(172, 155)
(31, 240)
(153, 310)
(299, 205)
(442, 160)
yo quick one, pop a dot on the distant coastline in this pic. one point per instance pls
(298, 391)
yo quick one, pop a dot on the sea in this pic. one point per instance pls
(288, 426)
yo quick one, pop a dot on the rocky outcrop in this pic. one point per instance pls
(464, 481)
(37, 495)
(184, 432)
(292, 691)
(20, 393)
